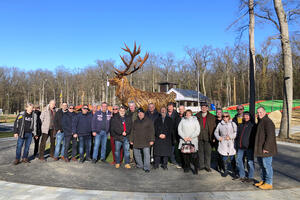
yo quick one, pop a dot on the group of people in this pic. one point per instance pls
(145, 137)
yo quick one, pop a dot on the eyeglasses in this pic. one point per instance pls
(115, 108)
(240, 109)
(71, 108)
(85, 108)
(225, 116)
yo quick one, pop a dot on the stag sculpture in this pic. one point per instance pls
(126, 93)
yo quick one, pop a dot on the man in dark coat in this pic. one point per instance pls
(152, 114)
(163, 139)
(173, 114)
(38, 130)
(207, 125)
(60, 136)
(82, 129)
(142, 138)
(265, 148)
(244, 145)
(120, 129)
(66, 123)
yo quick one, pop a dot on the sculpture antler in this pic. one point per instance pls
(136, 65)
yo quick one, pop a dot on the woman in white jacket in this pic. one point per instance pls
(188, 130)
(225, 133)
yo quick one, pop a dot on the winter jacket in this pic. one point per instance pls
(189, 127)
(210, 122)
(265, 138)
(57, 120)
(98, 121)
(142, 133)
(46, 119)
(133, 115)
(82, 124)
(66, 122)
(163, 147)
(176, 120)
(153, 116)
(20, 124)
(38, 123)
(245, 136)
(226, 147)
(117, 127)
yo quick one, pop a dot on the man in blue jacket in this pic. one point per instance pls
(66, 123)
(82, 129)
(100, 129)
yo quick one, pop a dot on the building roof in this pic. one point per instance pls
(188, 95)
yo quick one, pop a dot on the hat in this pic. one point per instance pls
(246, 113)
(140, 110)
(204, 104)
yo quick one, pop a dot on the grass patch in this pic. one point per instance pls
(7, 118)
(6, 134)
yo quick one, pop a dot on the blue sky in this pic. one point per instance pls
(50, 33)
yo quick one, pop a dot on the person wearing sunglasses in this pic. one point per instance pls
(115, 113)
(82, 129)
(225, 133)
(66, 122)
(238, 118)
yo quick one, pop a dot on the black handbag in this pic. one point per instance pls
(188, 147)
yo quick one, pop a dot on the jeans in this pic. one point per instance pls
(138, 158)
(266, 173)
(59, 143)
(118, 145)
(27, 139)
(84, 143)
(100, 137)
(250, 160)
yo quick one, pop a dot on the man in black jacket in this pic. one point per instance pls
(244, 143)
(38, 130)
(59, 132)
(66, 123)
(152, 114)
(173, 114)
(82, 128)
(24, 129)
(120, 129)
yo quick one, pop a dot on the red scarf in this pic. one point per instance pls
(204, 121)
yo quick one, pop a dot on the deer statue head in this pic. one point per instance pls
(134, 64)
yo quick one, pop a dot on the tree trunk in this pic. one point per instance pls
(288, 71)
(252, 57)
(234, 91)
(203, 83)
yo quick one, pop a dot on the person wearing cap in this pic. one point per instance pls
(66, 123)
(115, 113)
(100, 129)
(120, 129)
(82, 129)
(244, 144)
(142, 138)
(207, 123)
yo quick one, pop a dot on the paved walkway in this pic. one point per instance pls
(24, 191)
